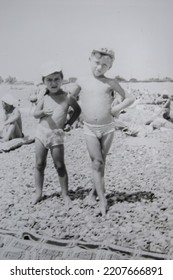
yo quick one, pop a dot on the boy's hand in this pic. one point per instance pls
(6, 123)
(48, 112)
(115, 112)
(67, 127)
(115, 108)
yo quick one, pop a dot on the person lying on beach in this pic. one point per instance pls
(12, 127)
(51, 111)
(167, 110)
(98, 111)
(163, 118)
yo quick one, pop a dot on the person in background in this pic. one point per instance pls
(12, 126)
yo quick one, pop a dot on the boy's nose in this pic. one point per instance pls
(99, 67)
(54, 82)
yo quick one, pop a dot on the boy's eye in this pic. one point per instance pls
(51, 80)
(104, 65)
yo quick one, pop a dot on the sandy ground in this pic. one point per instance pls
(138, 180)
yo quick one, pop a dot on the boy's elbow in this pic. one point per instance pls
(78, 88)
(132, 100)
(78, 111)
(78, 108)
(35, 115)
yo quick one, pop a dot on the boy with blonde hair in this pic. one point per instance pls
(99, 110)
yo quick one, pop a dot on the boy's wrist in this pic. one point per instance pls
(67, 126)
(42, 113)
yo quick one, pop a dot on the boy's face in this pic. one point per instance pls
(100, 64)
(53, 82)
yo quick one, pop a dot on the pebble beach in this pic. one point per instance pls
(138, 180)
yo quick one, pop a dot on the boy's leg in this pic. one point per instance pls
(106, 142)
(95, 152)
(57, 153)
(41, 156)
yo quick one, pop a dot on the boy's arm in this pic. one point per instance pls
(127, 98)
(14, 117)
(39, 112)
(76, 110)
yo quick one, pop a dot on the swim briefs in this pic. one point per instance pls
(49, 137)
(98, 130)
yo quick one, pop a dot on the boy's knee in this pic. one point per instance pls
(97, 164)
(40, 166)
(60, 169)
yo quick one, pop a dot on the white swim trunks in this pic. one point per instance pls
(98, 130)
(49, 137)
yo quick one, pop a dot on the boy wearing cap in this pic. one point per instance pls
(51, 111)
(99, 109)
(12, 119)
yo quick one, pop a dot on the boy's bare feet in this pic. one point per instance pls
(38, 197)
(67, 203)
(91, 199)
(103, 207)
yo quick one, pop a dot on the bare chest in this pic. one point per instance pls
(55, 103)
(96, 91)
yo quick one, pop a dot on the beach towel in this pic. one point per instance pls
(15, 143)
(29, 245)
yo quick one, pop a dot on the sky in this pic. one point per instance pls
(36, 31)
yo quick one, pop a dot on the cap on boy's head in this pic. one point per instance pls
(105, 51)
(9, 99)
(50, 68)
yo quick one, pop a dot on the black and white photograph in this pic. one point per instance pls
(86, 130)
